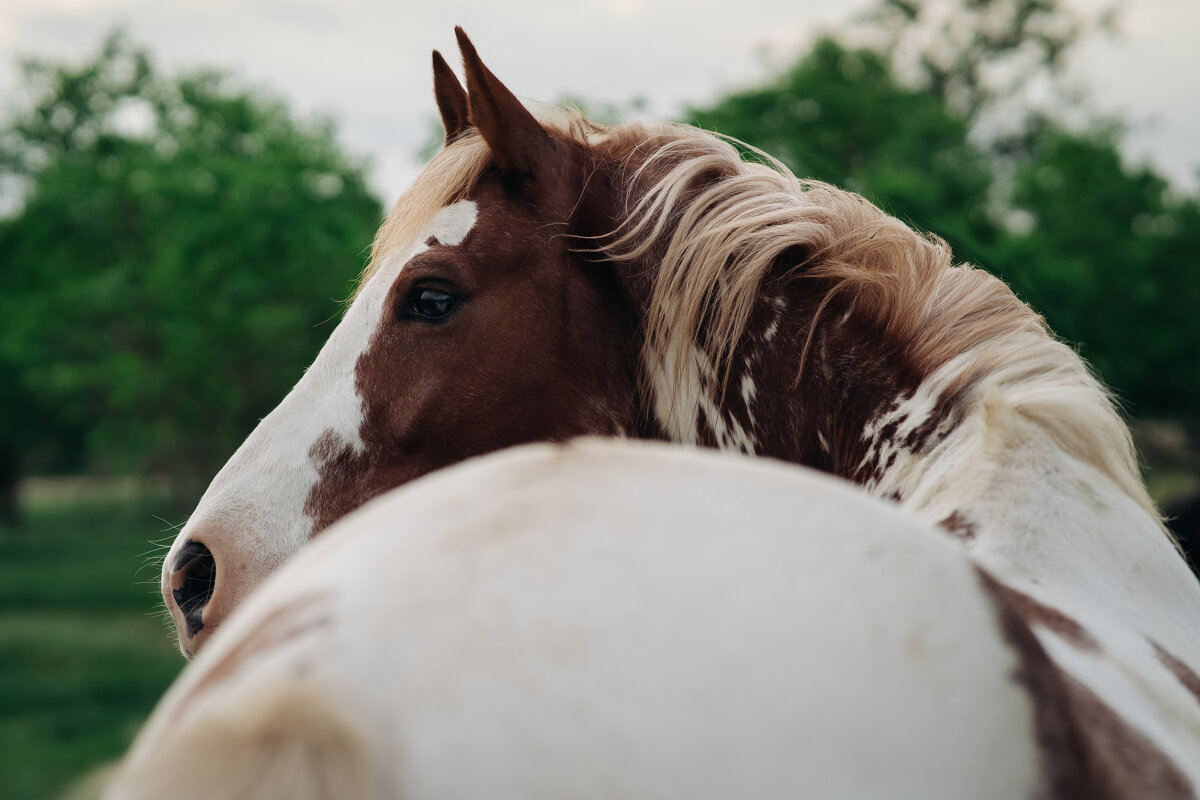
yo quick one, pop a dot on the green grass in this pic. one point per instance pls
(84, 652)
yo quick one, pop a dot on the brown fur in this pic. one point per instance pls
(1088, 751)
(540, 351)
(1182, 672)
(451, 99)
(958, 526)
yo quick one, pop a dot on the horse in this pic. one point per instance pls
(547, 278)
(621, 619)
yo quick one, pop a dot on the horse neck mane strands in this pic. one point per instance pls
(717, 225)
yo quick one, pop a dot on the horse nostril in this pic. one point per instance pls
(192, 583)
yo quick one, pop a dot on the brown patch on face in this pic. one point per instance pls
(539, 347)
(1087, 750)
(334, 494)
(958, 526)
(1184, 673)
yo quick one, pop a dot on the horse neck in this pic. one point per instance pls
(1052, 526)
(863, 352)
(964, 448)
(978, 452)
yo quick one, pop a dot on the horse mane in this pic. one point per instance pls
(716, 225)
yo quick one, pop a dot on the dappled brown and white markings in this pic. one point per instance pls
(690, 406)
(900, 440)
(958, 526)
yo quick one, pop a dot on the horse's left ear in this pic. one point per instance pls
(451, 98)
(517, 140)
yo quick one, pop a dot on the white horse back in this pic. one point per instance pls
(608, 620)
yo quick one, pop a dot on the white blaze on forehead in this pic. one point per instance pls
(453, 223)
(343, 415)
(260, 493)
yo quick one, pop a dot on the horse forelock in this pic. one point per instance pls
(450, 176)
(447, 178)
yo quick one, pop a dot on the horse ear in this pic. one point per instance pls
(451, 98)
(517, 140)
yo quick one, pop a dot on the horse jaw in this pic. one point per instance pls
(253, 515)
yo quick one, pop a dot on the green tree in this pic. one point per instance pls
(1109, 255)
(179, 246)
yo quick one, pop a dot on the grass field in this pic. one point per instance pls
(84, 654)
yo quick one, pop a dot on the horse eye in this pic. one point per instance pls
(429, 304)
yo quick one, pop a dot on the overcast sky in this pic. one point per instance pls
(366, 62)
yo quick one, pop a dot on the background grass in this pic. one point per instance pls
(84, 651)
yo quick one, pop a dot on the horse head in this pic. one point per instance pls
(480, 324)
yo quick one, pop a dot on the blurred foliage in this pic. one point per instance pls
(1112, 258)
(980, 56)
(1107, 251)
(84, 650)
(166, 279)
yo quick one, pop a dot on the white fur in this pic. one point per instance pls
(749, 390)
(254, 508)
(680, 398)
(677, 382)
(780, 306)
(618, 620)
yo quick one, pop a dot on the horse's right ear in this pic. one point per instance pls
(518, 141)
(451, 98)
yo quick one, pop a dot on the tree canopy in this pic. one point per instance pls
(168, 273)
